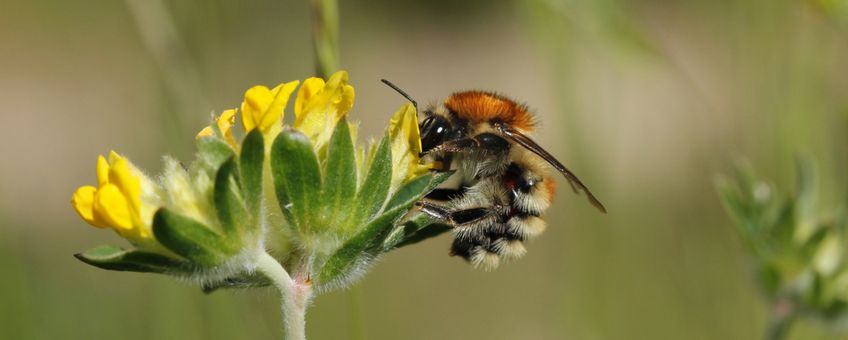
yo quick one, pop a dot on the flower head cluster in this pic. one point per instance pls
(332, 210)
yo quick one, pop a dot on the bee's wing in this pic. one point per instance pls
(529, 144)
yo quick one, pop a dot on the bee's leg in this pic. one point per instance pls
(455, 218)
(442, 163)
(434, 210)
(446, 194)
(471, 216)
(487, 141)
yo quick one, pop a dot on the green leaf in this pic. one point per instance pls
(116, 258)
(770, 279)
(783, 227)
(408, 195)
(342, 261)
(238, 282)
(415, 189)
(228, 204)
(297, 178)
(424, 233)
(189, 238)
(811, 246)
(405, 229)
(375, 189)
(250, 166)
(369, 241)
(416, 229)
(339, 174)
(213, 150)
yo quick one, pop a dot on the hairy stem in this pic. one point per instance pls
(294, 295)
(179, 75)
(325, 36)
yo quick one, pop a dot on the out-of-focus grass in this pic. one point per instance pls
(645, 100)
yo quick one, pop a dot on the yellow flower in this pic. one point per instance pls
(225, 124)
(406, 146)
(116, 201)
(263, 108)
(319, 106)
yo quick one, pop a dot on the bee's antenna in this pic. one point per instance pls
(402, 93)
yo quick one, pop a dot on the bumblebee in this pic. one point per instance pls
(505, 178)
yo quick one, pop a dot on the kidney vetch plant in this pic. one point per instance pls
(302, 208)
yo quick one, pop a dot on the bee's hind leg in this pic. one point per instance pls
(455, 218)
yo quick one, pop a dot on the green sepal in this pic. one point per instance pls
(416, 188)
(770, 279)
(190, 239)
(213, 151)
(369, 240)
(416, 229)
(343, 259)
(374, 190)
(297, 178)
(418, 223)
(427, 232)
(250, 167)
(405, 229)
(339, 174)
(228, 203)
(811, 246)
(117, 258)
(237, 282)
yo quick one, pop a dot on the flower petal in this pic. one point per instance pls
(345, 103)
(206, 132)
(102, 171)
(125, 180)
(225, 124)
(341, 94)
(318, 109)
(256, 101)
(406, 146)
(83, 202)
(275, 111)
(111, 208)
(310, 88)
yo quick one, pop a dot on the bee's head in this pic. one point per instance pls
(435, 130)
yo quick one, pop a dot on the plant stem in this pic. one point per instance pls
(780, 321)
(179, 76)
(325, 36)
(294, 296)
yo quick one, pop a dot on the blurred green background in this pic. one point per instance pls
(646, 100)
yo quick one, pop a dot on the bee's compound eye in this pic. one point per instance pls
(434, 131)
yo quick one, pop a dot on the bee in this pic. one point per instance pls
(506, 180)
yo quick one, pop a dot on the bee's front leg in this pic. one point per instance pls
(485, 141)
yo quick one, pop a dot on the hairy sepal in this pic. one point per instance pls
(368, 243)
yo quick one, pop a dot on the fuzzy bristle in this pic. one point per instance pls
(510, 249)
(482, 107)
(528, 227)
(484, 259)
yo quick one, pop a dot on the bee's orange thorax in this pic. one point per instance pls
(481, 107)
